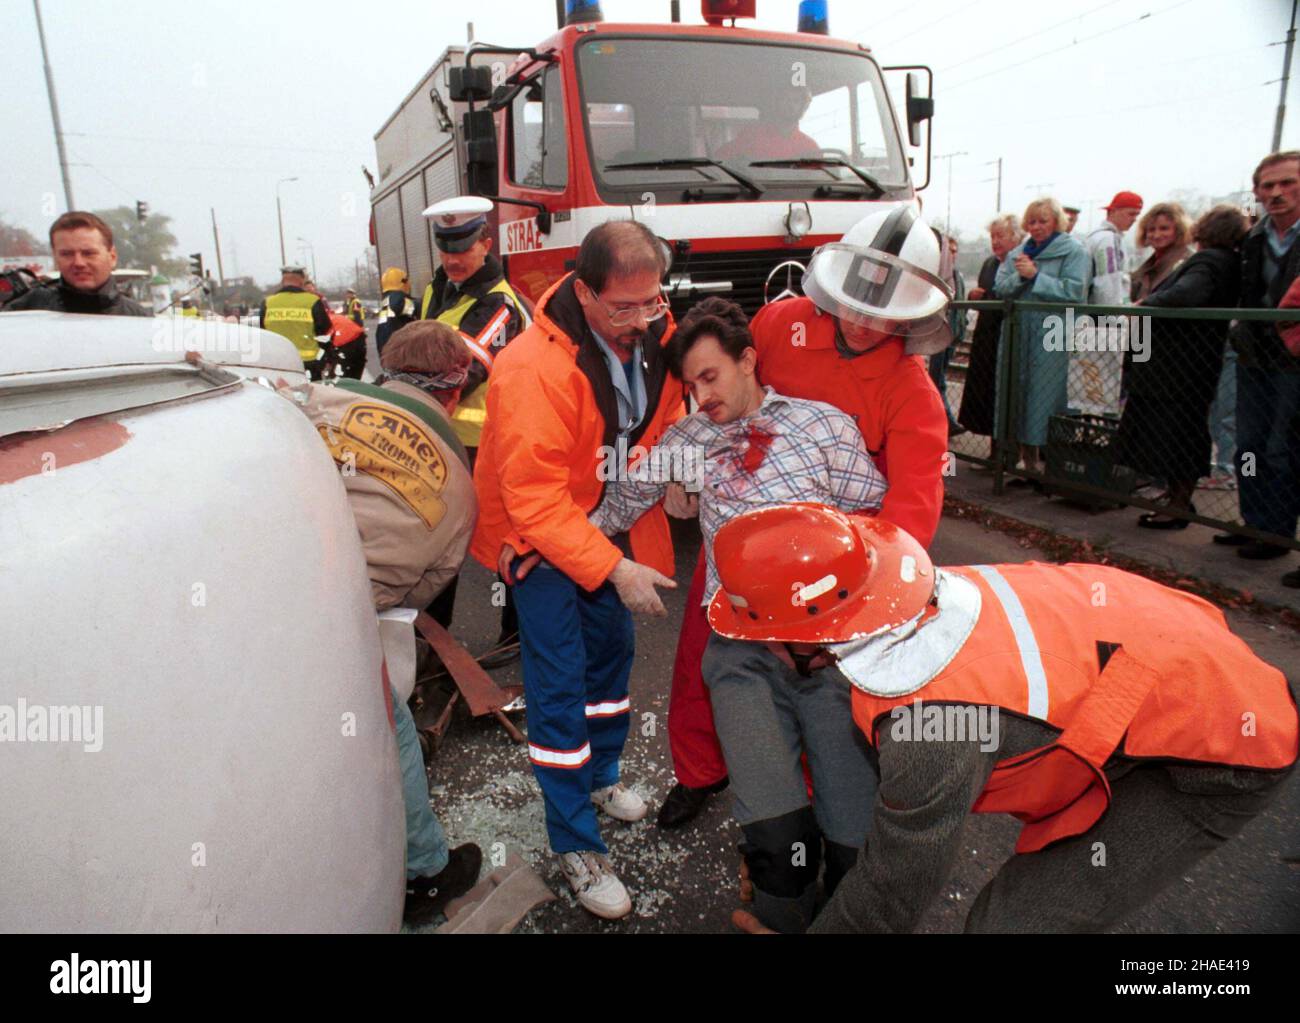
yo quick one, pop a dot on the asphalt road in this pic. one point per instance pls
(684, 881)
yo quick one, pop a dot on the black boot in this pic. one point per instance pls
(684, 803)
(426, 897)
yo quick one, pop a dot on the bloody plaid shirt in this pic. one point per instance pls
(788, 449)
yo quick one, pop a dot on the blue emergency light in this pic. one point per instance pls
(582, 12)
(813, 17)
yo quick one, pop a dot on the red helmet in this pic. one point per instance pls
(806, 573)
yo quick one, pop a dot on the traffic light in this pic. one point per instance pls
(196, 264)
(141, 211)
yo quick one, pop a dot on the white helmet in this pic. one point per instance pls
(883, 274)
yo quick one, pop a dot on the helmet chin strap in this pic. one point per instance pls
(803, 662)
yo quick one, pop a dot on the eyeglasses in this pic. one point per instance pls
(650, 312)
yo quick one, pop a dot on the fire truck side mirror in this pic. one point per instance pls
(919, 109)
(481, 152)
(470, 84)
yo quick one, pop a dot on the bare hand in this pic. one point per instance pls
(1026, 267)
(975, 294)
(746, 885)
(748, 923)
(679, 504)
(507, 556)
(636, 587)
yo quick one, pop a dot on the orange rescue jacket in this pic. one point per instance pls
(551, 424)
(1120, 665)
(889, 395)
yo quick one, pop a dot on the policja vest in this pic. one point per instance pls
(1118, 663)
(288, 313)
(471, 410)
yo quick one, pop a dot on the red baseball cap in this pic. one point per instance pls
(1125, 201)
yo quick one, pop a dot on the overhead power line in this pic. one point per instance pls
(1073, 43)
(930, 24)
(1207, 98)
(1015, 42)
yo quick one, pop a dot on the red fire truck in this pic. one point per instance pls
(742, 149)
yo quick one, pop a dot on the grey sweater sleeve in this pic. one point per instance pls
(927, 788)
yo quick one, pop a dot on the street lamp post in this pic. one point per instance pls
(279, 217)
(947, 224)
(312, 250)
(998, 204)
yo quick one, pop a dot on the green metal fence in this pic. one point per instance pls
(1117, 427)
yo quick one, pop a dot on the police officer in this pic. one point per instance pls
(469, 292)
(298, 314)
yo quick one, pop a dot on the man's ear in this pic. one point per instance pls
(584, 293)
(749, 360)
(112, 257)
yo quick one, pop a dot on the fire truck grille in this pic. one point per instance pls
(745, 271)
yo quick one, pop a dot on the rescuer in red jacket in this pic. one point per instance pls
(875, 306)
(1120, 721)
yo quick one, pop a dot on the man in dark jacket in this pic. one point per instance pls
(83, 251)
(469, 291)
(1268, 377)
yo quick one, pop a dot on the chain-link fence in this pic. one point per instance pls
(1135, 406)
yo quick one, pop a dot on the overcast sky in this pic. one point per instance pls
(189, 106)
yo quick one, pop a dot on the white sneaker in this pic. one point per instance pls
(595, 885)
(620, 802)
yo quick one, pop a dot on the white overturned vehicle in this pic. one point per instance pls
(194, 733)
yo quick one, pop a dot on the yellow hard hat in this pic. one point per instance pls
(395, 279)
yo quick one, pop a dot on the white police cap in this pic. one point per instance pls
(457, 221)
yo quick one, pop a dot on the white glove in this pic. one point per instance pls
(636, 584)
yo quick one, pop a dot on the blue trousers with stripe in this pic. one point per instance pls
(577, 650)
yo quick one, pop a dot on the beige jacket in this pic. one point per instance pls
(412, 498)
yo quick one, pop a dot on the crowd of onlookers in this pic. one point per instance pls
(1209, 402)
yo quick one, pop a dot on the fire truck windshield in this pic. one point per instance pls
(681, 116)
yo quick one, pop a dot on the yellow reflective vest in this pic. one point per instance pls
(471, 412)
(288, 313)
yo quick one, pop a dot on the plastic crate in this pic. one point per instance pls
(1080, 450)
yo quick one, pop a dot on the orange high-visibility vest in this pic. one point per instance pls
(1119, 664)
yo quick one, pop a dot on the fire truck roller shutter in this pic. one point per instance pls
(415, 233)
(388, 231)
(439, 184)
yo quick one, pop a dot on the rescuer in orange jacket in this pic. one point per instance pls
(587, 381)
(859, 349)
(1119, 720)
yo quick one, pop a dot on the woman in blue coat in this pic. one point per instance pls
(1049, 266)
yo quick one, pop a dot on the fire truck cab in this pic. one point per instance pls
(742, 149)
